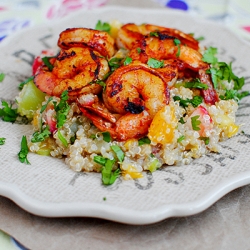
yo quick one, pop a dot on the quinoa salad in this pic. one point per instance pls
(122, 99)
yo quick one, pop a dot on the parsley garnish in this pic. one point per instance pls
(138, 50)
(114, 63)
(108, 176)
(196, 83)
(127, 61)
(106, 136)
(103, 26)
(2, 76)
(177, 42)
(62, 138)
(22, 155)
(7, 113)
(2, 140)
(201, 38)
(234, 94)
(100, 82)
(196, 101)
(41, 136)
(182, 120)
(181, 138)
(62, 109)
(45, 105)
(154, 33)
(195, 122)
(205, 139)
(25, 82)
(209, 56)
(153, 63)
(46, 61)
(144, 140)
(119, 153)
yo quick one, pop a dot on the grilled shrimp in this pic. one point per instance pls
(130, 34)
(82, 37)
(134, 93)
(74, 70)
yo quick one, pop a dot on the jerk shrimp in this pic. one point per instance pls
(135, 93)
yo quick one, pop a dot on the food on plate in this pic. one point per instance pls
(122, 99)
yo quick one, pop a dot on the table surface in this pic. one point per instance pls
(225, 225)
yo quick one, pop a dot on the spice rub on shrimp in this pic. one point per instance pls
(136, 93)
(74, 70)
(130, 34)
(82, 37)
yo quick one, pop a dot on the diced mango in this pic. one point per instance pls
(228, 126)
(115, 26)
(163, 126)
(132, 173)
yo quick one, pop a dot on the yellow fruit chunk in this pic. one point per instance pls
(132, 173)
(115, 26)
(228, 126)
(163, 126)
(29, 99)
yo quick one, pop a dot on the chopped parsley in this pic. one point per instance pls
(7, 113)
(205, 139)
(106, 136)
(103, 26)
(21, 85)
(127, 61)
(22, 155)
(108, 176)
(62, 138)
(45, 105)
(2, 76)
(2, 140)
(154, 33)
(62, 109)
(177, 42)
(209, 56)
(100, 82)
(144, 140)
(196, 101)
(46, 61)
(182, 120)
(201, 38)
(181, 138)
(114, 63)
(119, 153)
(234, 94)
(195, 122)
(138, 50)
(196, 83)
(153, 63)
(41, 136)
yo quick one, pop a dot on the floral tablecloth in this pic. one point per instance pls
(19, 14)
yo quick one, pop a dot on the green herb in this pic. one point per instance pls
(196, 101)
(108, 176)
(127, 61)
(104, 198)
(100, 82)
(209, 56)
(2, 140)
(45, 105)
(7, 113)
(201, 38)
(106, 136)
(25, 82)
(62, 138)
(181, 138)
(2, 76)
(154, 33)
(205, 139)
(138, 50)
(103, 26)
(182, 120)
(154, 165)
(195, 122)
(234, 94)
(93, 136)
(196, 84)
(177, 42)
(41, 136)
(62, 109)
(119, 153)
(46, 61)
(114, 63)
(22, 155)
(72, 139)
(153, 63)
(144, 140)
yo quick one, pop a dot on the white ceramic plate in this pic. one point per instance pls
(48, 187)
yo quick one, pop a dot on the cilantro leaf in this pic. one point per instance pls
(41, 136)
(181, 138)
(2, 76)
(144, 140)
(196, 83)
(205, 139)
(234, 94)
(177, 42)
(45, 105)
(114, 63)
(196, 101)
(209, 56)
(22, 155)
(106, 136)
(127, 61)
(138, 50)
(103, 26)
(195, 122)
(119, 153)
(7, 113)
(154, 33)
(2, 140)
(153, 63)
(46, 61)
